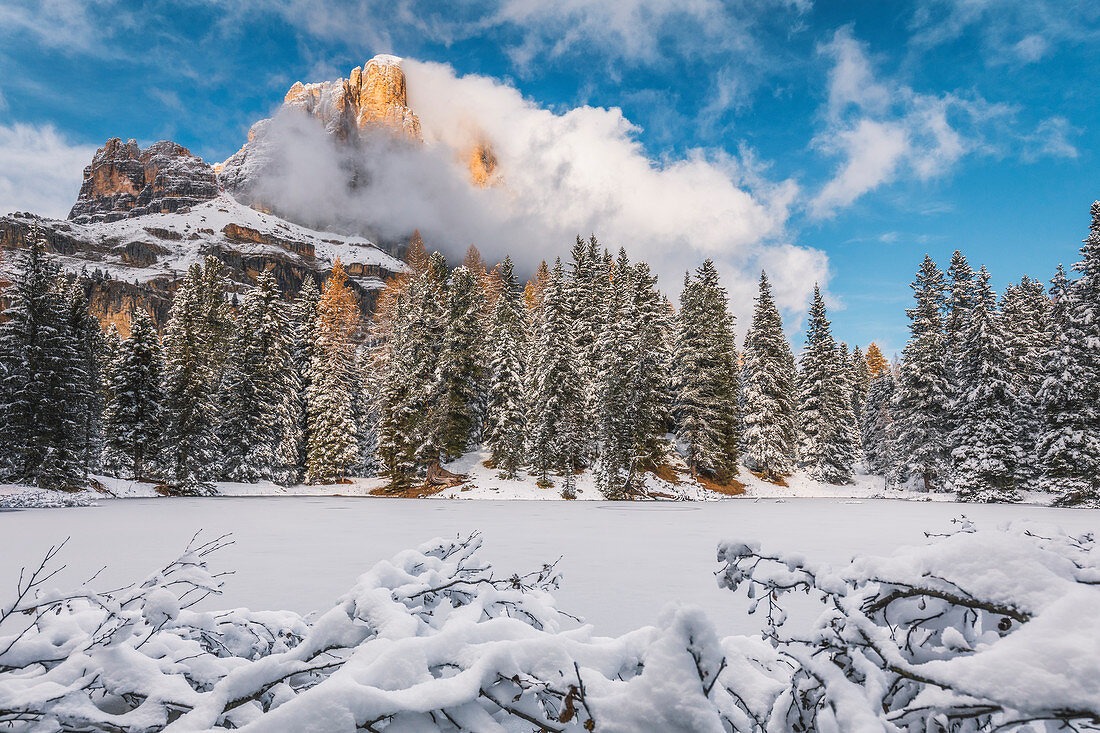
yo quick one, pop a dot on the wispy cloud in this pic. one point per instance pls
(1009, 31)
(882, 129)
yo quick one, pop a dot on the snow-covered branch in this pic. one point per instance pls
(978, 630)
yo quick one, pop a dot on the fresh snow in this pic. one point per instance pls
(201, 227)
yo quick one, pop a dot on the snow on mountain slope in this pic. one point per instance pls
(180, 239)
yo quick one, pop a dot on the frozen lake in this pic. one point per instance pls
(622, 561)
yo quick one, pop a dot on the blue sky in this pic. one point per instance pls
(872, 132)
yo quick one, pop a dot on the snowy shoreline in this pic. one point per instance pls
(482, 484)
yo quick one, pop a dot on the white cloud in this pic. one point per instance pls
(39, 170)
(1051, 139)
(872, 151)
(579, 172)
(882, 129)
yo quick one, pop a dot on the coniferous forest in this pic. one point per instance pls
(588, 365)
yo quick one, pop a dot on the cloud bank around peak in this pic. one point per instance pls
(582, 172)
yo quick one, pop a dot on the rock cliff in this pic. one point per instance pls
(138, 261)
(125, 181)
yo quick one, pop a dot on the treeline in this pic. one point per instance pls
(587, 366)
(590, 366)
(994, 396)
(257, 390)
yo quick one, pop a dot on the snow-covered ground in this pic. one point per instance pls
(622, 562)
(484, 483)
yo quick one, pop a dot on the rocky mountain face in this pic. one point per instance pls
(143, 217)
(374, 97)
(130, 257)
(125, 181)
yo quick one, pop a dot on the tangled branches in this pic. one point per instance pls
(981, 630)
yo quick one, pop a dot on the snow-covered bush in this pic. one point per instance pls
(430, 640)
(979, 630)
(30, 497)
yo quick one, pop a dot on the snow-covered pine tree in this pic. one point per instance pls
(959, 306)
(860, 376)
(410, 328)
(396, 405)
(987, 447)
(705, 378)
(258, 399)
(303, 319)
(333, 439)
(587, 289)
(651, 370)
(876, 362)
(41, 425)
(507, 340)
(194, 351)
(768, 391)
(132, 423)
(878, 433)
(612, 398)
(1069, 446)
(461, 373)
(86, 392)
(555, 392)
(828, 439)
(1025, 315)
(923, 391)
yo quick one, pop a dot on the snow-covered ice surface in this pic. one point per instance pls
(622, 562)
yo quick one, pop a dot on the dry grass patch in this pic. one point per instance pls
(732, 487)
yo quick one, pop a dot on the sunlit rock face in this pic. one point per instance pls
(125, 181)
(482, 164)
(373, 96)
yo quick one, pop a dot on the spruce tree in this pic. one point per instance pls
(878, 432)
(959, 312)
(615, 408)
(651, 331)
(828, 439)
(506, 416)
(461, 371)
(394, 364)
(42, 426)
(860, 375)
(132, 418)
(86, 389)
(194, 351)
(705, 378)
(923, 392)
(768, 391)
(987, 452)
(556, 396)
(1070, 396)
(259, 429)
(303, 319)
(333, 440)
(1026, 319)
(587, 289)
